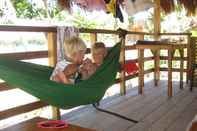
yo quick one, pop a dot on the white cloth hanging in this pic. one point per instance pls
(138, 5)
(64, 33)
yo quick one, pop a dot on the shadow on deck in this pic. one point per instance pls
(154, 110)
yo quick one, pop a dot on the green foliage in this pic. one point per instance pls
(1, 12)
(194, 33)
(27, 9)
(82, 22)
(131, 19)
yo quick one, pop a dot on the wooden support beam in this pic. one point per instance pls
(21, 109)
(188, 58)
(52, 48)
(173, 70)
(122, 73)
(93, 38)
(53, 29)
(181, 51)
(174, 58)
(141, 71)
(193, 49)
(157, 19)
(157, 66)
(130, 47)
(170, 55)
(134, 75)
(4, 87)
(52, 51)
(27, 55)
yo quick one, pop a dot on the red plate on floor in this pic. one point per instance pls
(52, 124)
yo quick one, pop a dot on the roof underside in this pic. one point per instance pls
(134, 6)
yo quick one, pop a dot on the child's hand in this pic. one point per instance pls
(70, 70)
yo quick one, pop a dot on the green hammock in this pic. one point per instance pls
(34, 79)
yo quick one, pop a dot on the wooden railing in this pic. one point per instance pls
(51, 54)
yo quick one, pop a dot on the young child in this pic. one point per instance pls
(88, 67)
(99, 52)
(67, 69)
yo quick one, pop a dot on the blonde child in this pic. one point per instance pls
(66, 70)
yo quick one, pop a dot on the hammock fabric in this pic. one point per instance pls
(34, 79)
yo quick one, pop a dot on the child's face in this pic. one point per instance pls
(78, 57)
(99, 56)
(87, 64)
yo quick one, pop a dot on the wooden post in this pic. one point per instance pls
(52, 48)
(170, 55)
(93, 38)
(193, 60)
(193, 49)
(157, 28)
(141, 71)
(52, 54)
(188, 58)
(181, 51)
(157, 18)
(122, 61)
(157, 66)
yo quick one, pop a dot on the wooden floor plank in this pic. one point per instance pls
(147, 109)
(131, 104)
(152, 109)
(186, 117)
(174, 112)
(161, 111)
(107, 122)
(137, 102)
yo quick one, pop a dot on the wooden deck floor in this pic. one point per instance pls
(154, 110)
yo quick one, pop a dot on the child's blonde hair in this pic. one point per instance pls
(97, 46)
(73, 45)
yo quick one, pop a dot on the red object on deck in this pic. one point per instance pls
(52, 124)
(130, 68)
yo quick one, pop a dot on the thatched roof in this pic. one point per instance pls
(190, 5)
(167, 5)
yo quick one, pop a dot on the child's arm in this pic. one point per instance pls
(63, 76)
(68, 72)
(60, 77)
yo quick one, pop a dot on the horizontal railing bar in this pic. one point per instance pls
(82, 30)
(27, 55)
(130, 47)
(50, 29)
(175, 33)
(173, 69)
(136, 60)
(134, 75)
(4, 87)
(21, 109)
(174, 58)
